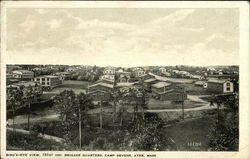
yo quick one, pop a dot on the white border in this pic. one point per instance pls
(244, 64)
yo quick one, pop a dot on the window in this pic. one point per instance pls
(48, 83)
(228, 88)
(228, 84)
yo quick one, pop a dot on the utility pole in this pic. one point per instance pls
(218, 111)
(87, 89)
(30, 99)
(182, 102)
(29, 116)
(13, 109)
(101, 114)
(80, 127)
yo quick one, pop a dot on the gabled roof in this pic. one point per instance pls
(199, 82)
(47, 76)
(105, 80)
(171, 90)
(125, 84)
(166, 73)
(161, 84)
(66, 73)
(150, 80)
(23, 83)
(102, 84)
(23, 72)
(140, 70)
(217, 81)
(120, 70)
(109, 68)
(196, 76)
(183, 72)
(176, 71)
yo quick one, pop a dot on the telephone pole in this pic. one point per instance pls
(101, 114)
(29, 116)
(182, 102)
(80, 126)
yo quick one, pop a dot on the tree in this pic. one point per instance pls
(143, 100)
(141, 94)
(115, 96)
(125, 101)
(224, 135)
(150, 137)
(65, 103)
(30, 96)
(134, 96)
(72, 108)
(134, 100)
(14, 99)
(83, 103)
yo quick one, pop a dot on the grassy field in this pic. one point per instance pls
(194, 90)
(76, 86)
(157, 104)
(191, 135)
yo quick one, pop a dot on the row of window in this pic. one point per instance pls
(109, 72)
(43, 79)
(43, 83)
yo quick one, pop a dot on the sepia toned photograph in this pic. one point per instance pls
(168, 108)
(122, 78)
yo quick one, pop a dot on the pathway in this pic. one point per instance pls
(44, 136)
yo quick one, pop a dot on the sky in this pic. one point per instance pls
(123, 36)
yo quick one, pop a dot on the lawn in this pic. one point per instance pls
(158, 104)
(76, 86)
(45, 97)
(194, 90)
(191, 135)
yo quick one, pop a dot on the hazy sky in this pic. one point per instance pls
(123, 37)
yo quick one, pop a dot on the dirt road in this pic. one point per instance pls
(50, 115)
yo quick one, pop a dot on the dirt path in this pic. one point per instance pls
(46, 115)
(196, 98)
(44, 136)
(206, 107)
(168, 79)
(50, 115)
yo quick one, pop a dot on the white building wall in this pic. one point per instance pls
(108, 76)
(225, 90)
(163, 70)
(108, 72)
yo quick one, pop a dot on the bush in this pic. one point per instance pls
(30, 142)
(53, 128)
